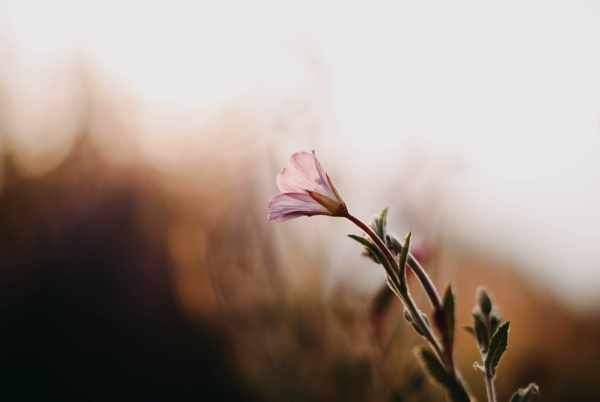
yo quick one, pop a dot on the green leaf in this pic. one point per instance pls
(483, 301)
(361, 240)
(378, 255)
(498, 346)
(524, 394)
(495, 321)
(409, 317)
(382, 223)
(470, 330)
(369, 246)
(448, 299)
(412, 322)
(435, 368)
(393, 244)
(481, 333)
(403, 259)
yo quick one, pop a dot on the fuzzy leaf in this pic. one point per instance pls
(435, 369)
(369, 246)
(449, 308)
(481, 332)
(483, 301)
(524, 394)
(403, 258)
(412, 322)
(495, 321)
(382, 223)
(408, 316)
(361, 240)
(378, 255)
(498, 346)
(470, 330)
(393, 244)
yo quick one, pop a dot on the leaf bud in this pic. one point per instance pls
(484, 302)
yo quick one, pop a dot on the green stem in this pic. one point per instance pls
(489, 386)
(426, 282)
(392, 265)
(489, 382)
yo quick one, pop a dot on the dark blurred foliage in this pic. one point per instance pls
(94, 306)
(88, 311)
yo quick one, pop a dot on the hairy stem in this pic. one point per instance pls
(424, 279)
(489, 382)
(489, 387)
(402, 291)
(426, 282)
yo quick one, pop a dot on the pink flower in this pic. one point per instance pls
(306, 190)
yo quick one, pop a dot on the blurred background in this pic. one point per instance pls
(139, 144)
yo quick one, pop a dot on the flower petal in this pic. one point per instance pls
(288, 206)
(324, 180)
(300, 177)
(306, 174)
(306, 190)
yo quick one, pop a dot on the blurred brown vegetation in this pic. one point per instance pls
(123, 280)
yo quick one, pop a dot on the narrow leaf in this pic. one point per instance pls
(402, 263)
(449, 308)
(498, 346)
(524, 394)
(434, 367)
(440, 321)
(393, 244)
(481, 332)
(495, 321)
(409, 317)
(369, 246)
(412, 322)
(382, 223)
(379, 256)
(470, 330)
(361, 240)
(483, 301)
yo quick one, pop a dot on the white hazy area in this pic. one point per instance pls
(480, 119)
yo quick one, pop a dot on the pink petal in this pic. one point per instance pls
(306, 174)
(292, 181)
(288, 206)
(300, 176)
(324, 180)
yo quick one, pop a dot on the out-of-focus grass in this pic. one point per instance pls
(114, 287)
(147, 271)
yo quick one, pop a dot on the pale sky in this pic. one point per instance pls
(498, 81)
